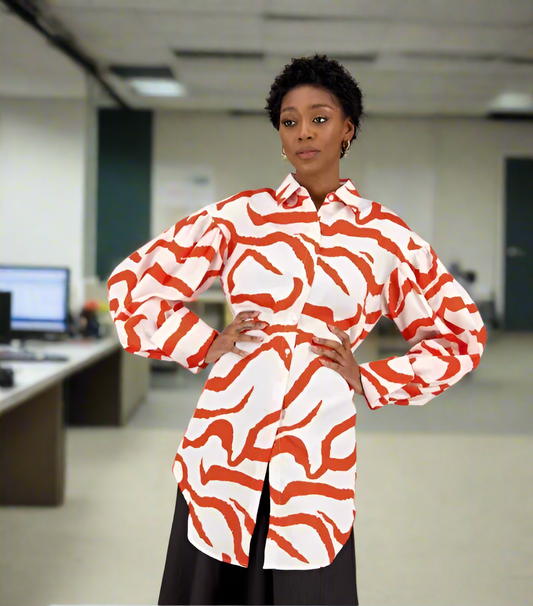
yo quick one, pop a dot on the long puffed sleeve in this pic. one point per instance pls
(147, 290)
(438, 319)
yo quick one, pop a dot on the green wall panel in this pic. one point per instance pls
(124, 185)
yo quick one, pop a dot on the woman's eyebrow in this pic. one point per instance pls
(286, 109)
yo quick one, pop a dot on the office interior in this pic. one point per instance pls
(120, 117)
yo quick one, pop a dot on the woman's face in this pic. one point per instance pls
(311, 117)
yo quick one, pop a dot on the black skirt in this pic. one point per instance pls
(192, 577)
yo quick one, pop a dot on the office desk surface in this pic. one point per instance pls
(33, 377)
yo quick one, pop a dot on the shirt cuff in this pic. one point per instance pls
(381, 378)
(186, 339)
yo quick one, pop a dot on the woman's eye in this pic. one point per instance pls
(317, 118)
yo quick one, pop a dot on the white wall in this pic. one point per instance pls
(91, 181)
(43, 151)
(470, 209)
(444, 177)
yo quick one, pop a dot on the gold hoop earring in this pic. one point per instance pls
(283, 156)
(345, 148)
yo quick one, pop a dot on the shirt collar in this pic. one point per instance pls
(346, 193)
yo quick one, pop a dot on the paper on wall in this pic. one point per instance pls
(188, 188)
(180, 192)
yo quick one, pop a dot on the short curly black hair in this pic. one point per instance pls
(318, 70)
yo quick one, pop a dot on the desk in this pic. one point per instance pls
(100, 384)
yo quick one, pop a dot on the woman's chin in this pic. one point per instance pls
(307, 168)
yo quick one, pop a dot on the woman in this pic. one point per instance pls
(266, 470)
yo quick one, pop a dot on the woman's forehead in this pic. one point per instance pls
(308, 97)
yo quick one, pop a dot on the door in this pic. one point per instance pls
(519, 244)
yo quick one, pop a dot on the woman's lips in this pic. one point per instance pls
(307, 155)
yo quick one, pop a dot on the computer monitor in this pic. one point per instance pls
(39, 299)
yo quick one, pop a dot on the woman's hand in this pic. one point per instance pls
(225, 341)
(340, 358)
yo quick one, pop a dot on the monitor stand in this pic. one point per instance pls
(5, 318)
(19, 344)
(14, 345)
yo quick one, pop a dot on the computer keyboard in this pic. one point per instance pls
(30, 356)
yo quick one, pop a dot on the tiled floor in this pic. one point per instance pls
(444, 498)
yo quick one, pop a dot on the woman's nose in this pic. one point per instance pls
(305, 132)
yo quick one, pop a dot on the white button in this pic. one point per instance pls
(287, 350)
(331, 197)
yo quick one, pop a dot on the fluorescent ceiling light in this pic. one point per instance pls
(513, 102)
(154, 87)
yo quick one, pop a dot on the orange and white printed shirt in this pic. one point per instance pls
(346, 264)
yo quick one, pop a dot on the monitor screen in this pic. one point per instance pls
(39, 298)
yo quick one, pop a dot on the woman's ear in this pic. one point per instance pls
(351, 129)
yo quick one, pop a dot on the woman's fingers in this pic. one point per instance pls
(343, 336)
(240, 337)
(327, 353)
(244, 316)
(327, 342)
(238, 351)
(244, 320)
(337, 351)
(251, 326)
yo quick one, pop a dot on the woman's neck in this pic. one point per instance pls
(319, 186)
